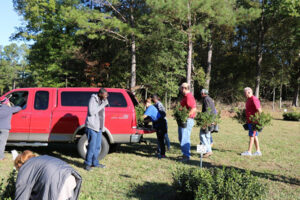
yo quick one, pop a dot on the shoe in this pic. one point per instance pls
(100, 166)
(246, 153)
(87, 168)
(185, 159)
(207, 154)
(258, 153)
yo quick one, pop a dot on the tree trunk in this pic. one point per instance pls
(208, 70)
(190, 48)
(133, 52)
(259, 51)
(274, 95)
(280, 94)
(296, 96)
(296, 83)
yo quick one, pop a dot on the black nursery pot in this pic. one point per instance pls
(182, 124)
(246, 128)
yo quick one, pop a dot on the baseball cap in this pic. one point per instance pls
(4, 100)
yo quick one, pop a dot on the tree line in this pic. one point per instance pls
(154, 45)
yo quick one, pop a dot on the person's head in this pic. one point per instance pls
(102, 93)
(204, 92)
(22, 158)
(185, 88)
(148, 102)
(248, 92)
(4, 101)
(155, 98)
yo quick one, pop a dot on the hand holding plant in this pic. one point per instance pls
(180, 114)
(260, 120)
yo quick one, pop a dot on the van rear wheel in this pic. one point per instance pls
(83, 143)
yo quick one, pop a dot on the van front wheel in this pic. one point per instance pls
(83, 143)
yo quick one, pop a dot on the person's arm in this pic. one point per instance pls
(16, 109)
(191, 102)
(94, 107)
(257, 105)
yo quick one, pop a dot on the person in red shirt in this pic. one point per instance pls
(184, 133)
(252, 107)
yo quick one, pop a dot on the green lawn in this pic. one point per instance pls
(134, 172)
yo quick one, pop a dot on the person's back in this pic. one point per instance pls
(43, 177)
(6, 114)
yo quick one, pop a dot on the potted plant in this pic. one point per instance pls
(260, 120)
(181, 114)
(240, 116)
(207, 120)
(139, 110)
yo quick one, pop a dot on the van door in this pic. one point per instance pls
(20, 121)
(41, 115)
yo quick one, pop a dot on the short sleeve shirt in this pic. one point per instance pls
(252, 106)
(189, 102)
(153, 113)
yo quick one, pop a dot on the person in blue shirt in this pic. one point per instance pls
(159, 124)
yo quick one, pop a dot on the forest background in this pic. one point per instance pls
(152, 46)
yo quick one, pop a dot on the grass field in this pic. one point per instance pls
(134, 172)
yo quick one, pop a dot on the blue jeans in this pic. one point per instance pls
(205, 139)
(93, 148)
(184, 136)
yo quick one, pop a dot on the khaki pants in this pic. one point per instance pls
(3, 139)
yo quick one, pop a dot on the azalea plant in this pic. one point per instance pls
(260, 120)
(207, 119)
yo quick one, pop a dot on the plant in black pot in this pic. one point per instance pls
(260, 120)
(181, 114)
(240, 117)
(207, 120)
(139, 110)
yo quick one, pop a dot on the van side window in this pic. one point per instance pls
(41, 100)
(115, 99)
(18, 98)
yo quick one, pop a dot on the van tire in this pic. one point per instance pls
(82, 147)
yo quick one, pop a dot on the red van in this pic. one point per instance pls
(58, 115)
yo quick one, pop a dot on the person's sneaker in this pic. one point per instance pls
(246, 153)
(100, 166)
(258, 153)
(207, 154)
(87, 168)
(185, 159)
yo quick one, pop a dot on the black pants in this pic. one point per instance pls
(160, 133)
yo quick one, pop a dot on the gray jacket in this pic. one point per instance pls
(42, 177)
(5, 115)
(96, 113)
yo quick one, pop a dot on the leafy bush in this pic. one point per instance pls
(260, 120)
(139, 110)
(292, 116)
(206, 119)
(180, 114)
(240, 115)
(215, 183)
(8, 187)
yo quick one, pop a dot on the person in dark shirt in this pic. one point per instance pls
(6, 112)
(159, 124)
(161, 109)
(206, 137)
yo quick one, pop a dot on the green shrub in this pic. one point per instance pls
(291, 116)
(240, 115)
(180, 114)
(206, 119)
(260, 120)
(215, 183)
(139, 110)
(8, 187)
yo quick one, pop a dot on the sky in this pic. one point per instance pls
(9, 19)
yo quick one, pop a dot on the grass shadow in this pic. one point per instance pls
(61, 151)
(152, 190)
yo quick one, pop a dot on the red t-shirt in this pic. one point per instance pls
(252, 106)
(189, 102)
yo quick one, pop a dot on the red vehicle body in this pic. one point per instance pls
(58, 115)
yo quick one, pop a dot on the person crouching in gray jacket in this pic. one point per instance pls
(45, 177)
(6, 112)
(94, 126)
